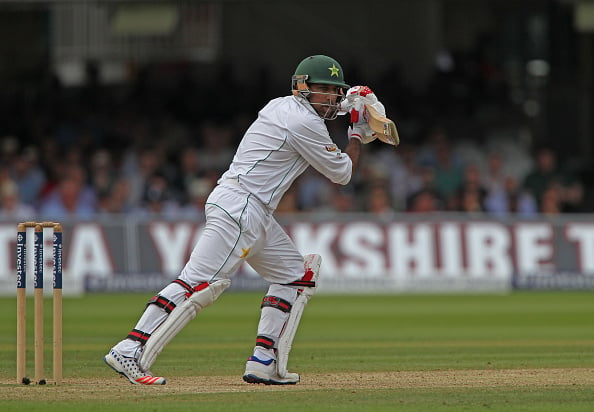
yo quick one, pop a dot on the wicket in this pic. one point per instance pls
(21, 284)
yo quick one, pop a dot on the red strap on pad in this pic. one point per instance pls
(197, 288)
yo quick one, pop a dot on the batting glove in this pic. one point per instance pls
(355, 94)
(362, 132)
(358, 113)
(360, 91)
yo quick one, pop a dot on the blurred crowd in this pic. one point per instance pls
(156, 147)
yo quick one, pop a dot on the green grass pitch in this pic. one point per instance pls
(528, 351)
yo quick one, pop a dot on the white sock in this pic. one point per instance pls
(263, 353)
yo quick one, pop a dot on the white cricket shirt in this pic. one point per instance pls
(283, 141)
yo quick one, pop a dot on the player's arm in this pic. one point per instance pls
(353, 150)
(313, 142)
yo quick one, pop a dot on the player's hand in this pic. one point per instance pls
(357, 93)
(362, 132)
(355, 100)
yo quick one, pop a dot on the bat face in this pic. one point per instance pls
(384, 127)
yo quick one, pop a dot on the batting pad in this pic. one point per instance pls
(178, 319)
(312, 263)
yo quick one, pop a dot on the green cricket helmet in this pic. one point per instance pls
(319, 69)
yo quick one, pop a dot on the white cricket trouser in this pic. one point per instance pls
(238, 228)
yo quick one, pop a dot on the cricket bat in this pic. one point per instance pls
(384, 127)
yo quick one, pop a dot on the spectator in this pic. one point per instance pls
(11, 207)
(424, 201)
(198, 191)
(103, 174)
(495, 175)
(9, 146)
(71, 198)
(341, 200)
(547, 173)
(313, 190)
(511, 199)
(28, 175)
(550, 203)
(427, 198)
(403, 171)
(471, 200)
(188, 172)
(217, 150)
(116, 199)
(471, 195)
(139, 166)
(448, 171)
(379, 202)
(157, 199)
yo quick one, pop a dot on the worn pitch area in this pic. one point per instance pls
(115, 388)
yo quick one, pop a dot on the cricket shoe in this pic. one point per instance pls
(259, 371)
(128, 367)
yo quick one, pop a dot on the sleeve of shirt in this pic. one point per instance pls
(312, 141)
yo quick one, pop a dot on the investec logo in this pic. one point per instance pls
(57, 259)
(20, 261)
(38, 259)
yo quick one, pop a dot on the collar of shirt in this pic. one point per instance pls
(306, 103)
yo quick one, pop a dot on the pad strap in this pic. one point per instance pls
(306, 281)
(162, 302)
(303, 283)
(264, 342)
(189, 289)
(184, 285)
(139, 336)
(277, 303)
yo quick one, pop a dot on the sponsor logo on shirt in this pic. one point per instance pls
(331, 148)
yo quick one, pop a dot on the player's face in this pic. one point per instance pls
(324, 98)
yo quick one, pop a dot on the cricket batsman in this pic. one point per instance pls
(288, 136)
